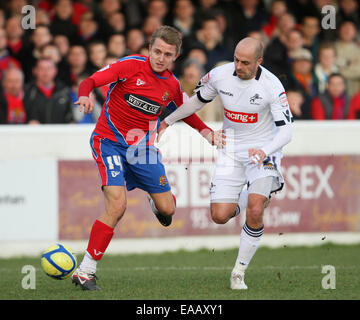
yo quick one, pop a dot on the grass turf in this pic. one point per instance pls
(291, 273)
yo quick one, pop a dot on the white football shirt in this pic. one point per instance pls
(253, 109)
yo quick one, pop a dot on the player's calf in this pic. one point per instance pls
(163, 205)
(255, 210)
(115, 205)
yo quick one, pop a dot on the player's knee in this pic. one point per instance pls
(165, 208)
(117, 209)
(219, 216)
(254, 213)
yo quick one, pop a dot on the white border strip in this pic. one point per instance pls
(10, 249)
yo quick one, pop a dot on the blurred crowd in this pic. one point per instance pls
(41, 68)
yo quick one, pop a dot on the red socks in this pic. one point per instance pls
(100, 237)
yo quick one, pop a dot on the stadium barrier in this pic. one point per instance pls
(49, 191)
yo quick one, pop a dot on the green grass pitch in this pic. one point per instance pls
(290, 273)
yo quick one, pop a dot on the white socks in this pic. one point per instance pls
(88, 264)
(249, 242)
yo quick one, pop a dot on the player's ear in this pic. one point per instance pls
(176, 56)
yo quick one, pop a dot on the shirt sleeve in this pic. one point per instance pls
(279, 107)
(283, 118)
(117, 71)
(205, 89)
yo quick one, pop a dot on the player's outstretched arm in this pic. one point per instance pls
(187, 112)
(215, 138)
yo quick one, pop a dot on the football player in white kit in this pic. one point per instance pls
(257, 124)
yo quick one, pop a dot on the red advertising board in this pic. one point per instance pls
(321, 193)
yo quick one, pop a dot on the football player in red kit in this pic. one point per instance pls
(141, 89)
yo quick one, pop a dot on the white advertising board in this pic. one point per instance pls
(28, 199)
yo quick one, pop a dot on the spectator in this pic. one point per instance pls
(14, 7)
(78, 9)
(88, 30)
(348, 10)
(52, 52)
(348, 56)
(62, 20)
(117, 22)
(222, 17)
(116, 45)
(63, 44)
(296, 103)
(199, 54)
(46, 100)
(278, 53)
(295, 41)
(6, 61)
(16, 44)
(302, 79)
(107, 8)
(159, 9)
(209, 35)
(354, 112)
(248, 15)
(97, 53)
(135, 40)
(40, 36)
(277, 9)
(151, 23)
(334, 103)
(78, 63)
(310, 30)
(286, 23)
(2, 18)
(183, 18)
(193, 71)
(326, 65)
(42, 17)
(12, 107)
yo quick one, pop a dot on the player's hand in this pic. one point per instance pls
(217, 138)
(257, 156)
(86, 104)
(161, 130)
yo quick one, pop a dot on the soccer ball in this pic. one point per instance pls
(58, 261)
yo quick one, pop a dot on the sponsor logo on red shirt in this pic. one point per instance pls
(241, 117)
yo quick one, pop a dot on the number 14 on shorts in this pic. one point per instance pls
(114, 160)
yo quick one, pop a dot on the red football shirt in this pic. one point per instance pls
(135, 100)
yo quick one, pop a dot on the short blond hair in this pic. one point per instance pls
(168, 34)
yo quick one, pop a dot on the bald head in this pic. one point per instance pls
(247, 58)
(12, 81)
(250, 46)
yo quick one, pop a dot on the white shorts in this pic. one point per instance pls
(230, 176)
